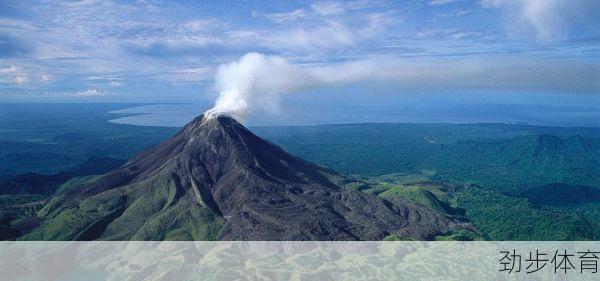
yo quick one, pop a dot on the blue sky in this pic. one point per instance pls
(146, 51)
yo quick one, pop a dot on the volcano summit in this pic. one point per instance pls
(217, 180)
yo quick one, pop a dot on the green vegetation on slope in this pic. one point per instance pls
(146, 212)
(495, 215)
(416, 194)
(502, 217)
(508, 158)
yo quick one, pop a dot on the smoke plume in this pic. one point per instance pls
(256, 81)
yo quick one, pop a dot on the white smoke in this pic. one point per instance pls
(256, 82)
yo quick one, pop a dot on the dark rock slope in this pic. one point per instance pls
(217, 180)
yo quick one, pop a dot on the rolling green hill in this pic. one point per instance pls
(418, 195)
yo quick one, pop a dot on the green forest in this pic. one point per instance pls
(512, 182)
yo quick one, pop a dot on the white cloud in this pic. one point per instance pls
(21, 76)
(80, 3)
(9, 24)
(190, 75)
(201, 25)
(549, 19)
(21, 79)
(327, 8)
(112, 81)
(441, 2)
(45, 77)
(335, 8)
(455, 13)
(90, 93)
(318, 36)
(99, 38)
(452, 33)
(323, 28)
(324, 38)
(331, 35)
(78, 94)
(10, 70)
(14, 74)
(286, 17)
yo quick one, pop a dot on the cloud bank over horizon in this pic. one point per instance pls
(171, 51)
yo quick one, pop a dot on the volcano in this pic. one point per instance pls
(214, 180)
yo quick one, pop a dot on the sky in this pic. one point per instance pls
(170, 51)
